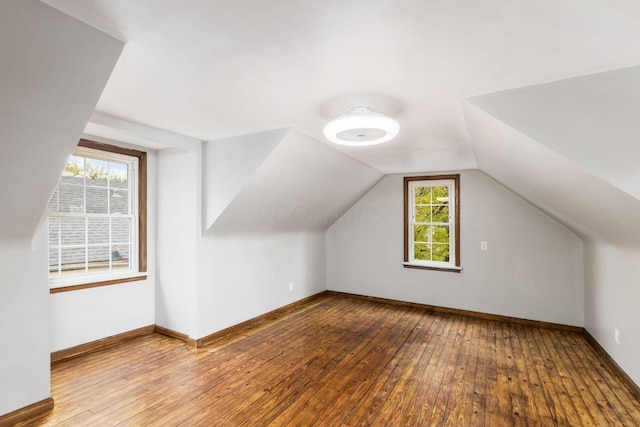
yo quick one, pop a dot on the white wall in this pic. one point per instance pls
(301, 185)
(230, 164)
(53, 70)
(24, 335)
(557, 184)
(591, 120)
(207, 282)
(269, 222)
(532, 269)
(244, 276)
(82, 316)
(179, 225)
(612, 292)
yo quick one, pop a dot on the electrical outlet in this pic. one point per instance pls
(483, 246)
(616, 336)
(291, 286)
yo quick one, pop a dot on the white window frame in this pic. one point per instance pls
(132, 194)
(410, 184)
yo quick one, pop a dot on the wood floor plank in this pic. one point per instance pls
(460, 407)
(607, 390)
(569, 378)
(445, 382)
(342, 380)
(331, 357)
(420, 409)
(347, 361)
(405, 373)
(478, 403)
(537, 412)
(518, 412)
(498, 405)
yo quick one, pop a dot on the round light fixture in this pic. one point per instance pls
(361, 126)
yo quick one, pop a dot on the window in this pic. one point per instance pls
(432, 222)
(97, 217)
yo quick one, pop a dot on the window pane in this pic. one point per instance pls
(97, 172)
(53, 259)
(99, 258)
(73, 231)
(440, 234)
(422, 195)
(421, 233)
(119, 199)
(71, 194)
(422, 251)
(118, 173)
(441, 253)
(75, 167)
(440, 195)
(121, 257)
(440, 213)
(121, 230)
(73, 259)
(423, 214)
(53, 225)
(97, 200)
(98, 230)
(53, 202)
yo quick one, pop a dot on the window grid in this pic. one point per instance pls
(87, 154)
(432, 222)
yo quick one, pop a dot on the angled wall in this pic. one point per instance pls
(590, 120)
(300, 185)
(53, 70)
(605, 216)
(583, 202)
(267, 247)
(231, 164)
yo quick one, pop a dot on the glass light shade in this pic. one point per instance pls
(361, 127)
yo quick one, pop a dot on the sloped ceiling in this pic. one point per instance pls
(214, 69)
(228, 166)
(592, 120)
(587, 204)
(297, 185)
(558, 79)
(53, 69)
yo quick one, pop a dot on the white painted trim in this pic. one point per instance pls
(94, 278)
(105, 126)
(442, 265)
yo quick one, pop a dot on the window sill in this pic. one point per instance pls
(86, 282)
(447, 267)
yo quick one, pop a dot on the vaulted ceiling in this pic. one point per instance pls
(213, 69)
(543, 96)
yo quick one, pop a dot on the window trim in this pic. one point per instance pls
(86, 281)
(434, 265)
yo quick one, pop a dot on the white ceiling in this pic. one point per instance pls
(293, 184)
(52, 70)
(593, 120)
(212, 69)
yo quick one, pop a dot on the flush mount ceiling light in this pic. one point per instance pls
(361, 126)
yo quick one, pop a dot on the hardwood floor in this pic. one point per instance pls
(344, 361)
